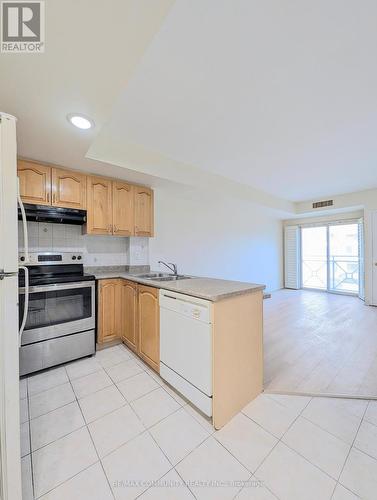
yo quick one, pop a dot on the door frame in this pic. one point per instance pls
(360, 221)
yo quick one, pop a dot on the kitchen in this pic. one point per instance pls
(202, 336)
(188, 228)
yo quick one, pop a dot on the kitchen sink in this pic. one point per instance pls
(163, 276)
(172, 277)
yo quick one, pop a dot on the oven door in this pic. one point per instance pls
(58, 310)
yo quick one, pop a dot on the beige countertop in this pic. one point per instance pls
(205, 288)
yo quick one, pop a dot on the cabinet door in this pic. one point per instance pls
(68, 189)
(99, 206)
(128, 312)
(35, 182)
(149, 326)
(123, 209)
(143, 211)
(108, 310)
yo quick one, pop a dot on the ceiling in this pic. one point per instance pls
(281, 96)
(276, 96)
(92, 48)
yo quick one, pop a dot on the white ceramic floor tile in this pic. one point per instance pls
(366, 439)
(291, 477)
(339, 417)
(271, 415)
(255, 490)
(203, 421)
(134, 387)
(170, 487)
(24, 411)
(51, 399)
(175, 395)
(27, 484)
(341, 493)
(90, 484)
(371, 413)
(25, 439)
(112, 356)
(124, 370)
(209, 465)
(131, 467)
(56, 424)
(318, 446)
(360, 474)
(154, 406)
(100, 403)
(246, 440)
(23, 388)
(296, 403)
(150, 371)
(82, 367)
(178, 434)
(46, 380)
(115, 429)
(93, 382)
(61, 460)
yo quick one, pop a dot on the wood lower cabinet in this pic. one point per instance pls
(35, 182)
(128, 311)
(109, 319)
(68, 189)
(123, 208)
(149, 326)
(99, 206)
(143, 200)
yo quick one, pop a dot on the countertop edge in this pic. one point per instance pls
(253, 288)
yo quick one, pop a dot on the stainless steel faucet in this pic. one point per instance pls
(170, 265)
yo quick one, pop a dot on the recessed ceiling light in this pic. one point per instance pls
(80, 121)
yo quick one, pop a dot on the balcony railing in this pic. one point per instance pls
(343, 273)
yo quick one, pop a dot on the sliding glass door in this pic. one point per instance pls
(314, 257)
(330, 257)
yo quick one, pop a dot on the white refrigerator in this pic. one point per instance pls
(10, 460)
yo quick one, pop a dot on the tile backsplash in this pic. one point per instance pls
(97, 250)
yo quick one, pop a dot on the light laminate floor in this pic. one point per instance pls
(108, 428)
(320, 343)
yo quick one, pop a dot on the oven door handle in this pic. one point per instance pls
(57, 288)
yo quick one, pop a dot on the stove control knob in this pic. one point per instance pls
(79, 257)
(73, 257)
(22, 259)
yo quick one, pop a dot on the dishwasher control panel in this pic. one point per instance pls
(191, 307)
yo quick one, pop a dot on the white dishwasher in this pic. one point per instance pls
(186, 347)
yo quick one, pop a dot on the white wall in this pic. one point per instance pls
(209, 234)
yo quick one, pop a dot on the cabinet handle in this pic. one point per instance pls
(109, 228)
(48, 197)
(115, 228)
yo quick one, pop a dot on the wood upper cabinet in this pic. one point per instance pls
(99, 205)
(149, 326)
(68, 189)
(143, 211)
(128, 311)
(35, 182)
(109, 324)
(123, 208)
(113, 206)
